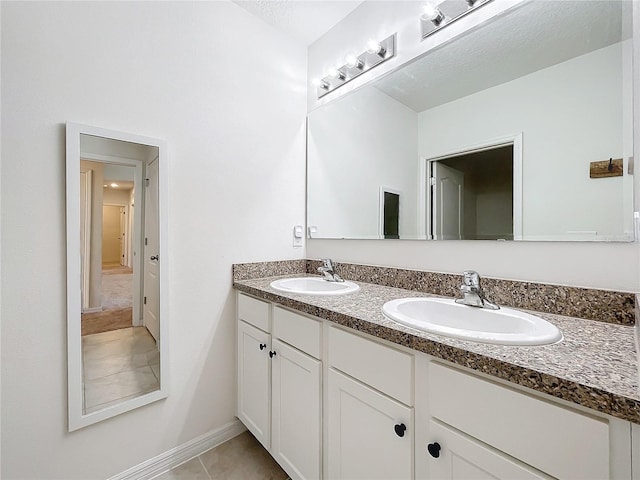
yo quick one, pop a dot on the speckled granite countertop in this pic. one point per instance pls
(596, 365)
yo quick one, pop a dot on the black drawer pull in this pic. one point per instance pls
(272, 354)
(434, 449)
(400, 429)
(263, 346)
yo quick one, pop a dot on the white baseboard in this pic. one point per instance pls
(182, 453)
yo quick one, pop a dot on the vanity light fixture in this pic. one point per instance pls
(355, 65)
(436, 15)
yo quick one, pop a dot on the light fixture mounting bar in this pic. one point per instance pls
(368, 61)
(452, 11)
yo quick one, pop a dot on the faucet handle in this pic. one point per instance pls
(327, 263)
(471, 278)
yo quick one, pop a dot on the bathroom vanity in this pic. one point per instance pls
(335, 390)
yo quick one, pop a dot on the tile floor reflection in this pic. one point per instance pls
(241, 458)
(118, 365)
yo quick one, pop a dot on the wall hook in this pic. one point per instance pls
(606, 168)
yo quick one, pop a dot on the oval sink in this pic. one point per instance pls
(446, 317)
(314, 286)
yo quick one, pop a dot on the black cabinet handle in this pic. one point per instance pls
(434, 449)
(155, 257)
(263, 346)
(400, 429)
(272, 354)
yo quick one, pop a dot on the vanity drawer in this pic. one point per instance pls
(253, 311)
(384, 368)
(556, 440)
(297, 330)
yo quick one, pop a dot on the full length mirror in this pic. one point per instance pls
(520, 129)
(116, 317)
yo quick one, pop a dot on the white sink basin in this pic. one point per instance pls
(314, 286)
(445, 317)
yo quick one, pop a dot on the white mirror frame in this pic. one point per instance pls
(74, 339)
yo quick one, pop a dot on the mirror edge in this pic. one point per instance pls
(76, 419)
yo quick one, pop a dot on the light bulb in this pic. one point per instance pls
(432, 13)
(374, 47)
(429, 11)
(335, 72)
(319, 83)
(353, 62)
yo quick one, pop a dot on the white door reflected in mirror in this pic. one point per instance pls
(151, 299)
(116, 320)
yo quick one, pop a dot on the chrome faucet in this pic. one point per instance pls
(327, 271)
(472, 292)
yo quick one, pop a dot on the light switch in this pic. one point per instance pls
(298, 235)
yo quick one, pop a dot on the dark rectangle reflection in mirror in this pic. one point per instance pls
(391, 215)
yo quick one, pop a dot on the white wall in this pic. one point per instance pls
(558, 195)
(235, 136)
(114, 196)
(357, 145)
(600, 265)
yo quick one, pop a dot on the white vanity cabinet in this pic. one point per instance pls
(369, 411)
(279, 384)
(481, 429)
(329, 402)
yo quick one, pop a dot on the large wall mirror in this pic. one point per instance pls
(521, 129)
(116, 288)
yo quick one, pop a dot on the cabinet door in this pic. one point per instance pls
(559, 441)
(365, 432)
(296, 414)
(462, 457)
(254, 381)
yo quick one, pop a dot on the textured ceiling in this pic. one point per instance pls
(305, 20)
(534, 36)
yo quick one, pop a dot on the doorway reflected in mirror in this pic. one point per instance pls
(472, 196)
(119, 360)
(116, 288)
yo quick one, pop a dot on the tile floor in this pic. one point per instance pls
(118, 365)
(241, 458)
